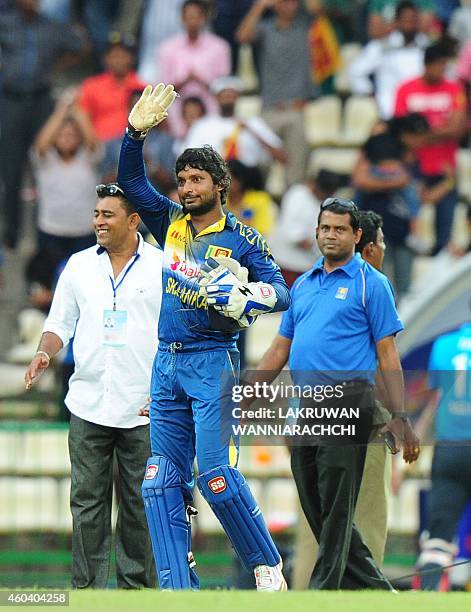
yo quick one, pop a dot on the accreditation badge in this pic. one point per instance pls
(115, 328)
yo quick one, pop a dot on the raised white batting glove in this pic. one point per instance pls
(152, 107)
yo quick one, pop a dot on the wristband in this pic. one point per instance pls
(45, 354)
(135, 134)
(404, 416)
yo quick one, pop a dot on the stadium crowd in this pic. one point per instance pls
(252, 78)
(232, 65)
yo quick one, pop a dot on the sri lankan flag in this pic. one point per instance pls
(324, 50)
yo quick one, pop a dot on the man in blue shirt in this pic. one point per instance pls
(203, 309)
(341, 324)
(450, 378)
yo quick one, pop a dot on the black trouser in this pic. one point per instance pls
(451, 480)
(328, 475)
(21, 116)
(91, 450)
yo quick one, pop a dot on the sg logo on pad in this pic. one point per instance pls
(218, 484)
(151, 471)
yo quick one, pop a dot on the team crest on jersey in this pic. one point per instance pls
(217, 251)
(151, 471)
(341, 293)
(217, 484)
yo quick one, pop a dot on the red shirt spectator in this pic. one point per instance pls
(437, 102)
(105, 97)
(442, 103)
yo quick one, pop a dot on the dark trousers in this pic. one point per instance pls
(91, 449)
(328, 476)
(451, 482)
(21, 117)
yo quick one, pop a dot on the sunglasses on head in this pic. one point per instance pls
(343, 202)
(111, 189)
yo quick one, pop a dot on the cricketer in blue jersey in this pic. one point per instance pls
(450, 376)
(218, 276)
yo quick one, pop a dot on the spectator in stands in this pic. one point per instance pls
(390, 61)
(385, 186)
(249, 140)
(443, 104)
(294, 241)
(460, 23)
(109, 112)
(160, 21)
(382, 14)
(282, 44)
(193, 108)
(65, 160)
(101, 17)
(227, 17)
(193, 60)
(115, 327)
(30, 45)
(248, 201)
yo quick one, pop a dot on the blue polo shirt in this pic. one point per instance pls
(450, 372)
(335, 320)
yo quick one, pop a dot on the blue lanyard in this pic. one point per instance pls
(116, 287)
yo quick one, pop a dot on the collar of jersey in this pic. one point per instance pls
(350, 268)
(228, 220)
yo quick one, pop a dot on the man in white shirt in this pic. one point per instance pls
(107, 299)
(390, 60)
(249, 140)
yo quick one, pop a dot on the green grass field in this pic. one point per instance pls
(243, 601)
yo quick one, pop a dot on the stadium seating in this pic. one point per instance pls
(28, 504)
(323, 121)
(464, 173)
(337, 160)
(360, 114)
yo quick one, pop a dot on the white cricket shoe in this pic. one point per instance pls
(269, 578)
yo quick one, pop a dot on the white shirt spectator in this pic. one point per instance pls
(66, 191)
(297, 222)
(110, 384)
(390, 63)
(217, 131)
